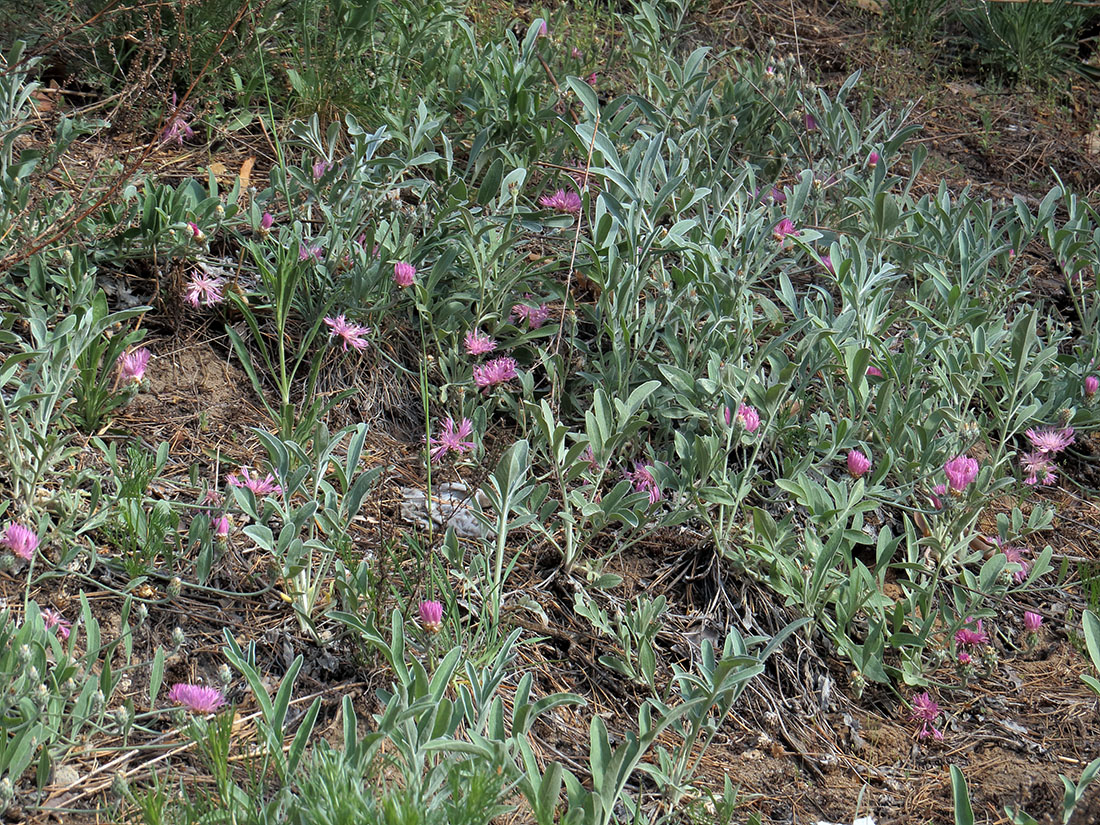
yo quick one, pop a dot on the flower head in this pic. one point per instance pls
(221, 526)
(315, 251)
(196, 698)
(203, 289)
(925, 710)
(873, 159)
(960, 471)
(1032, 621)
(811, 122)
(576, 53)
(827, 264)
(534, 316)
(431, 616)
(1092, 384)
(494, 372)
(1050, 439)
(965, 658)
(478, 343)
(562, 200)
(1016, 555)
(51, 618)
(938, 493)
(544, 30)
(644, 482)
(131, 366)
(748, 418)
(858, 463)
(1038, 468)
(351, 334)
(452, 439)
(266, 222)
(22, 541)
(319, 169)
(404, 274)
(177, 128)
(260, 486)
(872, 372)
(975, 637)
(196, 233)
(784, 228)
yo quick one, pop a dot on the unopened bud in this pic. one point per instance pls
(175, 586)
(178, 638)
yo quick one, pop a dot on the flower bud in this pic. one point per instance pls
(178, 638)
(175, 586)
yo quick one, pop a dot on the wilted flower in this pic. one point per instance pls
(177, 128)
(938, 492)
(404, 274)
(431, 616)
(1038, 468)
(315, 251)
(972, 638)
(452, 439)
(925, 711)
(260, 486)
(811, 122)
(496, 371)
(562, 200)
(319, 169)
(535, 316)
(478, 343)
(644, 482)
(22, 541)
(51, 618)
(784, 228)
(1050, 439)
(351, 334)
(960, 471)
(203, 289)
(1092, 384)
(131, 366)
(196, 698)
(858, 463)
(1032, 621)
(589, 456)
(576, 53)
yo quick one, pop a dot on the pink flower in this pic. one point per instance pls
(1015, 555)
(221, 526)
(778, 195)
(352, 334)
(858, 463)
(873, 159)
(964, 658)
(177, 128)
(535, 316)
(811, 122)
(203, 289)
(1092, 384)
(266, 222)
(315, 251)
(496, 371)
(872, 372)
(1038, 468)
(22, 541)
(1050, 439)
(260, 486)
(196, 698)
(1032, 621)
(938, 492)
(404, 274)
(961, 471)
(644, 482)
(431, 616)
(478, 344)
(827, 263)
(971, 638)
(196, 233)
(748, 418)
(784, 228)
(544, 30)
(925, 711)
(319, 169)
(589, 456)
(51, 618)
(576, 53)
(131, 366)
(562, 200)
(452, 439)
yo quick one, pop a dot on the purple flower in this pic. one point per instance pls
(925, 711)
(319, 169)
(778, 195)
(811, 122)
(221, 526)
(478, 344)
(20, 540)
(259, 486)
(644, 482)
(972, 638)
(873, 159)
(352, 334)
(266, 222)
(494, 372)
(1038, 468)
(535, 316)
(51, 618)
(203, 289)
(872, 372)
(131, 366)
(1050, 439)
(404, 274)
(177, 128)
(748, 418)
(452, 439)
(964, 658)
(960, 471)
(1032, 621)
(315, 251)
(591, 79)
(784, 228)
(589, 456)
(431, 616)
(858, 463)
(196, 698)
(1092, 384)
(562, 200)
(544, 30)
